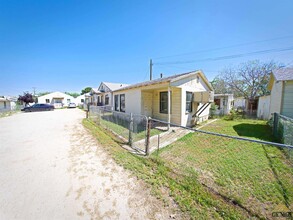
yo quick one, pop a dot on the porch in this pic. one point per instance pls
(162, 102)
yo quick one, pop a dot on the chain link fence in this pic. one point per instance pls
(254, 177)
(130, 128)
(283, 130)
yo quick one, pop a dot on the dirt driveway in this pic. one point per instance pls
(52, 168)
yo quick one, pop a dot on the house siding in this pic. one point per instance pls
(276, 97)
(4, 107)
(191, 84)
(287, 102)
(147, 103)
(175, 106)
(132, 100)
(263, 109)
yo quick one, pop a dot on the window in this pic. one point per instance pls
(4, 104)
(107, 100)
(82, 100)
(188, 101)
(68, 100)
(116, 104)
(224, 102)
(47, 100)
(99, 99)
(122, 102)
(164, 102)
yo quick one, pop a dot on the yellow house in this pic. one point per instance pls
(281, 87)
(182, 99)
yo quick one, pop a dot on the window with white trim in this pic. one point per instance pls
(122, 103)
(164, 102)
(188, 101)
(116, 102)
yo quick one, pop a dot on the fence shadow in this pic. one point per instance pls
(262, 132)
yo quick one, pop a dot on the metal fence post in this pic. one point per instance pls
(130, 139)
(147, 146)
(276, 122)
(99, 116)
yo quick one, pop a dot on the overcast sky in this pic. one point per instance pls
(68, 45)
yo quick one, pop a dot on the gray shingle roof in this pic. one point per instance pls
(283, 74)
(115, 86)
(157, 81)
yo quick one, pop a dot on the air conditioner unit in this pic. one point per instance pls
(203, 97)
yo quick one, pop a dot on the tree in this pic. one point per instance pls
(86, 90)
(249, 79)
(26, 98)
(73, 94)
(43, 93)
(219, 85)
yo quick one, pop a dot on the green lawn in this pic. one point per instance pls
(253, 176)
(211, 177)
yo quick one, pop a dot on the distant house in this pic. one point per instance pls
(80, 100)
(263, 109)
(5, 104)
(95, 96)
(87, 100)
(58, 99)
(225, 103)
(182, 99)
(103, 95)
(240, 103)
(281, 87)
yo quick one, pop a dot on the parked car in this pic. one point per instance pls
(71, 105)
(38, 107)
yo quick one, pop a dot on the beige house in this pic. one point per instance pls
(182, 99)
(281, 87)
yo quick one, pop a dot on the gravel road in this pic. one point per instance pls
(52, 168)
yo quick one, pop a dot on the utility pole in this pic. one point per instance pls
(34, 88)
(151, 69)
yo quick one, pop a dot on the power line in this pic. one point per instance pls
(222, 48)
(228, 57)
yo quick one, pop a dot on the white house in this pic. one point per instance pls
(225, 103)
(95, 96)
(87, 100)
(58, 99)
(240, 102)
(80, 100)
(281, 87)
(5, 104)
(182, 99)
(263, 109)
(103, 95)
